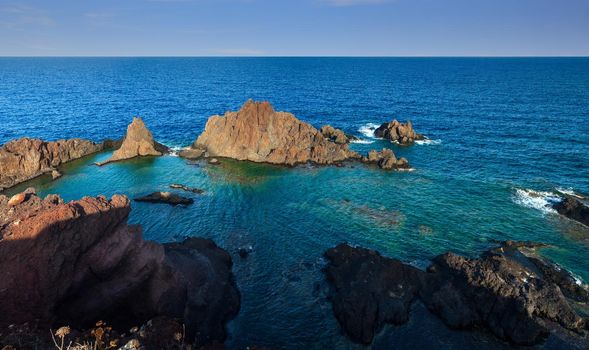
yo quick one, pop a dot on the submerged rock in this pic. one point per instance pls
(574, 208)
(138, 142)
(193, 152)
(187, 189)
(258, 133)
(503, 291)
(386, 159)
(26, 158)
(165, 197)
(79, 262)
(396, 131)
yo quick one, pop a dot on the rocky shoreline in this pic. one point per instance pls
(516, 296)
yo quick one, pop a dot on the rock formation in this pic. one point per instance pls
(79, 262)
(336, 135)
(187, 188)
(574, 208)
(138, 142)
(386, 159)
(165, 197)
(257, 133)
(192, 152)
(516, 297)
(26, 158)
(396, 131)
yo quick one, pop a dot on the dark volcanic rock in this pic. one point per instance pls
(386, 160)
(25, 159)
(165, 197)
(574, 208)
(259, 134)
(502, 291)
(187, 189)
(370, 290)
(396, 131)
(79, 262)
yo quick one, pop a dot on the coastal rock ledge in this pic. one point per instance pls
(26, 158)
(259, 134)
(79, 262)
(509, 291)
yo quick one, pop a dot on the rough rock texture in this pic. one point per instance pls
(165, 197)
(386, 159)
(257, 133)
(336, 135)
(26, 158)
(192, 152)
(503, 291)
(396, 131)
(574, 208)
(138, 142)
(80, 262)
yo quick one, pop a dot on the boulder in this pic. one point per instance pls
(193, 152)
(259, 134)
(165, 197)
(574, 208)
(336, 135)
(187, 188)
(386, 159)
(26, 158)
(138, 142)
(79, 262)
(396, 131)
(505, 291)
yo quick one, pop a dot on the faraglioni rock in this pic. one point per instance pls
(396, 131)
(27, 158)
(574, 208)
(386, 159)
(259, 134)
(138, 142)
(517, 297)
(79, 262)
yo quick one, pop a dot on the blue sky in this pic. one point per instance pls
(294, 28)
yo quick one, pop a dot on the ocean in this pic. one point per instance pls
(507, 135)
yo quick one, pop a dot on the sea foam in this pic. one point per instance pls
(428, 142)
(541, 200)
(368, 130)
(361, 141)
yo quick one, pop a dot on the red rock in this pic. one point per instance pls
(396, 131)
(259, 134)
(17, 199)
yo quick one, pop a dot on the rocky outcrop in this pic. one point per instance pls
(386, 159)
(336, 135)
(574, 208)
(165, 197)
(509, 293)
(26, 158)
(193, 152)
(138, 142)
(396, 131)
(187, 188)
(259, 134)
(79, 262)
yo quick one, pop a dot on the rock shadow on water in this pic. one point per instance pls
(380, 216)
(242, 172)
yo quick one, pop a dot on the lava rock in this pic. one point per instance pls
(165, 197)
(574, 208)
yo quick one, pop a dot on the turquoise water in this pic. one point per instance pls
(501, 126)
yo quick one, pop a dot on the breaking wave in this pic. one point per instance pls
(541, 200)
(368, 130)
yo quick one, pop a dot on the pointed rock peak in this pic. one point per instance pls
(257, 106)
(138, 142)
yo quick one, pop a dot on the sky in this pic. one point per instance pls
(294, 28)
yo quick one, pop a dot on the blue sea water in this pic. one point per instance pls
(507, 134)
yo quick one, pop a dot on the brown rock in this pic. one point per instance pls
(396, 131)
(257, 133)
(193, 152)
(335, 135)
(137, 143)
(79, 262)
(25, 159)
(386, 159)
(55, 174)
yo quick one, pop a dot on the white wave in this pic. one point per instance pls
(569, 191)
(368, 130)
(540, 200)
(174, 150)
(364, 142)
(428, 142)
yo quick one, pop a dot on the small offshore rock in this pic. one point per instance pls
(396, 131)
(214, 161)
(574, 208)
(187, 188)
(244, 252)
(386, 159)
(165, 197)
